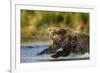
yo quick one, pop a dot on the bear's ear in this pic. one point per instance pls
(69, 33)
(49, 29)
(63, 31)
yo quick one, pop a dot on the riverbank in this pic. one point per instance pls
(35, 39)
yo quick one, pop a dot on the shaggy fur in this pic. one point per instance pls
(68, 40)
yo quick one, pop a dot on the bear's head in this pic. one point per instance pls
(57, 35)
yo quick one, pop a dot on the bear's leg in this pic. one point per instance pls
(43, 52)
(49, 50)
(62, 53)
(58, 54)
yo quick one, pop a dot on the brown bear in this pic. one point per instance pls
(68, 40)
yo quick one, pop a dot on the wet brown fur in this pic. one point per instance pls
(68, 40)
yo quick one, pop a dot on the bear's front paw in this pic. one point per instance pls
(38, 54)
(42, 52)
(58, 54)
(55, 56)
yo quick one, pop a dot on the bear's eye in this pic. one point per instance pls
(59, 32)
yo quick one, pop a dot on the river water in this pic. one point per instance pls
(29, 51)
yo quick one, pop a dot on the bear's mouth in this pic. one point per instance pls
(59, 40)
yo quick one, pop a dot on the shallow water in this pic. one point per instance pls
(29, 51)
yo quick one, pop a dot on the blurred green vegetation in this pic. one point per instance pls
(35, 23)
